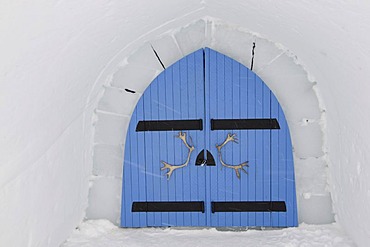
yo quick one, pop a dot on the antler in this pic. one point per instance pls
(170, 167)
(231, 138)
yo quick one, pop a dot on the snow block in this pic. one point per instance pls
(311, 175)
(307, 140)
(265, 53)
(167, 50)
(110, 129)
(191, 37)
(315, 209)
(104, 198)
(291, 86)
(233, 43)
(118, 101)
(133, 77)
(108, 160)
(145, 57)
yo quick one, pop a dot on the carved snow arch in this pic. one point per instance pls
(276, 65)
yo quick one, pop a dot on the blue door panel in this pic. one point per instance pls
(208, 85)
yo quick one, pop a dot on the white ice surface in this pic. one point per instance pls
(96, 233)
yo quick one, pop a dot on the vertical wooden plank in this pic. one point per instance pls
(196, 111)
(179, 151)
(193, 137)
(185, 108)
(236, 153)
(228, 114)
(150, 169)
(252, 144)
(259, 149)
(156, 175)
(164, 148)
(172, 114)
(221, 175)
(201, 113)
(137, 175)
(126, 215)
(209, 75)
(134, 181)
(243, 142)
(213, 104)
(140, 154)
(274, 162)
(266, 154)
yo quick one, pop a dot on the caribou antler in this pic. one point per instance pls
(170, 167)
(231, 138)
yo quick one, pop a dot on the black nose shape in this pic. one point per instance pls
(200, 161)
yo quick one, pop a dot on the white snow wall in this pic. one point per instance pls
(56, 56)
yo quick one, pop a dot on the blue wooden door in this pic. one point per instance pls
(183, 165)
(253, 184)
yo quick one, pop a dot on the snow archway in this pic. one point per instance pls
(56, 55)
(129, 75)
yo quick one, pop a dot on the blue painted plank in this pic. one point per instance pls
(275, 162)
(137, 192)
(236, 153)
(243, 142)
(163, 104)
(259, 149)
(266, 154)
(140, 154)
(185, 108)
(172, 114)
(196, 97)
(221, 175)
(126, 216)
(212, 139)
(209, 75)
(156, 174)
(228, 114)
(251, 94)
(149, 172)
(176, 177)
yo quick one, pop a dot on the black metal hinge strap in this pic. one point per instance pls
(168, 206)
(168, 125)
(240, 124)
(259, 206)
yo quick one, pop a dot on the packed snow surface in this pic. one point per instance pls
(96, 233)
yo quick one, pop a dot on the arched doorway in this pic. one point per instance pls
(208, 145)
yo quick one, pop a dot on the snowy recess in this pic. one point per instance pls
(57, 55)
(101, 233)
(272, 62)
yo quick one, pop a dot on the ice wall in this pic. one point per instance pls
(57, 55)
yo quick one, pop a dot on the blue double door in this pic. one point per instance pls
(208, 145)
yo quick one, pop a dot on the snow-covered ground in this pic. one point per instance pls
(96, 233)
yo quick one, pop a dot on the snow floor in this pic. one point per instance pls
(96, 233)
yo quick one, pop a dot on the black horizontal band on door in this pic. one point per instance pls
(260, 206)
(168, 125)
(168, 206)
(244, 124)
